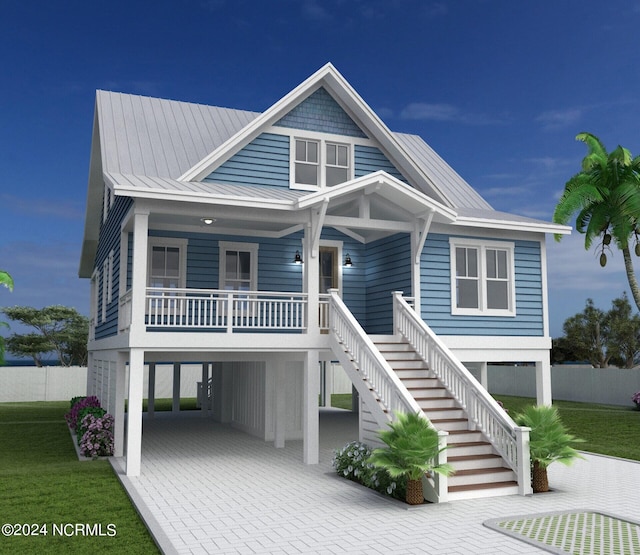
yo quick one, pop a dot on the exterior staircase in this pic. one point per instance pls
(480, 471)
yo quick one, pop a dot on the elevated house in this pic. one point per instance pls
(264, 245)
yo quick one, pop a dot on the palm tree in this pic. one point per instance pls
(412, 449)
(549, 441)
(606, 196)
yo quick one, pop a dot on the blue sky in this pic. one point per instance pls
(499, 88)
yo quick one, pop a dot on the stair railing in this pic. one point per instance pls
(372, 376)
(510, 441)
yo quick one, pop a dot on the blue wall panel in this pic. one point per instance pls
(264, 161)
(369, 159)
(388, 269)
(109, 239)
(320, 112)
(436, 293)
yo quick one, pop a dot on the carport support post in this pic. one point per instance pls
(118, 425)
(134, 415)
(176, 387)
(311, 421)
(543, 382)
(151, 401)
(277, 367)
(484, 375)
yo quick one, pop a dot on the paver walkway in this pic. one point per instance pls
(207, 488)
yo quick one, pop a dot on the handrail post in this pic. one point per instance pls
(230, 312)
(396, 308)
(523, 456)
(442, 482)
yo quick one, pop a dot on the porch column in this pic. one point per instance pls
(277, 369)
(311, 281)
(175, 407)
(484, 375)
(204, 399)
(134, 415)
(139, 276)
(311, 421)
(543, 382)
(119, 414)
(151, 398)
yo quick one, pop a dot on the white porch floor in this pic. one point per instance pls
(206, 488)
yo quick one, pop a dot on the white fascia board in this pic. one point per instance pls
(535, 227)
(377, 179)
(190, 196)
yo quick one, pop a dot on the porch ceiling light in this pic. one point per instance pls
(207, 221)
(347, 261)
(297, 259)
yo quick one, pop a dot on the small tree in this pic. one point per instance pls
(549, 441)
(588, 334)
(61, 330)
(412, 449)
(624, 331)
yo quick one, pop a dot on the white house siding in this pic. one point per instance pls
(248, 394)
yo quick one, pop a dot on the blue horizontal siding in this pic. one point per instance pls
(264, 161)
(109, 240)
(388, 269)
(320, 112)
(369, 159)
(436, 293)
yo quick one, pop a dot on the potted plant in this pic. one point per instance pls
(412, 446)
(549, 441)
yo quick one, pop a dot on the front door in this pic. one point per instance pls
(328, 269)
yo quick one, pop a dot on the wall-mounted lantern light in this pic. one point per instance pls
(347, 261)
(297, 259)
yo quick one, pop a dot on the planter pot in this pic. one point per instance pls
(415, 496)
(540, 480)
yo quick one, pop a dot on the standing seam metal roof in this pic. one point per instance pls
(145, 136)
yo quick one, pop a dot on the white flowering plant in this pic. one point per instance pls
(350, 462)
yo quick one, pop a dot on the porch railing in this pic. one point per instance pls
(224, 310)
(511, 441)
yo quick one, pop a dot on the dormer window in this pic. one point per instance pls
(320, 163)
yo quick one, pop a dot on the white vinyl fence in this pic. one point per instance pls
(56, 383)
(608, 386)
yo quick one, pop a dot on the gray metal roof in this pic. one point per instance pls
(126, 183)
(154, 137)
(445, 178)
(163, 138)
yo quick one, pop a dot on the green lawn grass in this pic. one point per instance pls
(606, 429)
(42, 482)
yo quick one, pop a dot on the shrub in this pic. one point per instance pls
(98, 412)
(72, 416)
(97, 440)
(351, 462)
(636, 399)
(75, 400)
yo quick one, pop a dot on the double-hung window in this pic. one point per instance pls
(167, 267)
(238, 266)
(482, 278)
(318, 162)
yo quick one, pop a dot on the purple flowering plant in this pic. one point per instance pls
(97, 440)
(81, 403)
(636, 399)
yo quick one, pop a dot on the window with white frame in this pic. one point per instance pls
(482, 278)
(167, 268)
(320, 162)
(238, 266)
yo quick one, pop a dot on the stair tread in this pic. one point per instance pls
(480, 471)
(468, 443)
(460, 458)
(486, 485)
